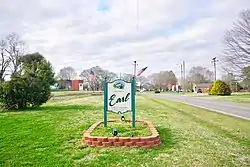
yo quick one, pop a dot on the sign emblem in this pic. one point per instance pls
(119, 84)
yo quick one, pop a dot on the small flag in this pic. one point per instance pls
(91, 75)
(141, 71)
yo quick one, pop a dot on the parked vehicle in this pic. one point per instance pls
(199, 91)
(157, 91)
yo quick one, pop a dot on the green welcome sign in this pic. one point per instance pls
(119, 98)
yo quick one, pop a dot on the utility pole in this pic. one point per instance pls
(181, 75)
(181, 66)
(236, 86)
(184, 74)
(214, 60)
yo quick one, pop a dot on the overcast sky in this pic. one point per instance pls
(86, 33)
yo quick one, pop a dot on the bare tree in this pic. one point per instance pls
(16, 49)
(237, 45)
(5, 60)
(85, 75)
(230, 79)
(200, 74)
(142, 80)
(12, 48)
(100, 75)
(127, 77)
(187, 84)
(67, 73)
(154, 80)
(246, 79)
(162, 79)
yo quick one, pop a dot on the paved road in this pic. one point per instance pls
(225, 107)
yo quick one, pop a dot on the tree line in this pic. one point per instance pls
(156, 81)
(162, 80)
(69, 73)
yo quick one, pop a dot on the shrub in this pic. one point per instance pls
(12, 94)
(157, 91)
(29, 87)
(220, 88)
(209, 90)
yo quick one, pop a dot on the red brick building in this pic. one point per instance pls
(77, 85)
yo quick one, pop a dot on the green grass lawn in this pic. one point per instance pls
(239, 98)
(235, 97)
(75, 93)
(124, 129)
(51, 136)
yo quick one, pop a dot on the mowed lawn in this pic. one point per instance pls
(243, 97)
(51, 136)
(235, 97)
(240, 98)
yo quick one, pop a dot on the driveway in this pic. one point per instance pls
(225, 107)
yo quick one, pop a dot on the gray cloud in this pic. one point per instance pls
(76, 33)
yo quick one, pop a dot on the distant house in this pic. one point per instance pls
(171, 86)
(64, 84)
(176, 88)
(204, 87)
(77, 84)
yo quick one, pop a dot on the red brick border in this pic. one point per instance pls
(146, 142)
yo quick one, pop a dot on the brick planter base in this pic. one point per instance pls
(146, 142)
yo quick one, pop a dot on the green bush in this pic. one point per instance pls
(13, 94)
(209, 90)
(157, 91)
(220, 88)
(29, 87)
